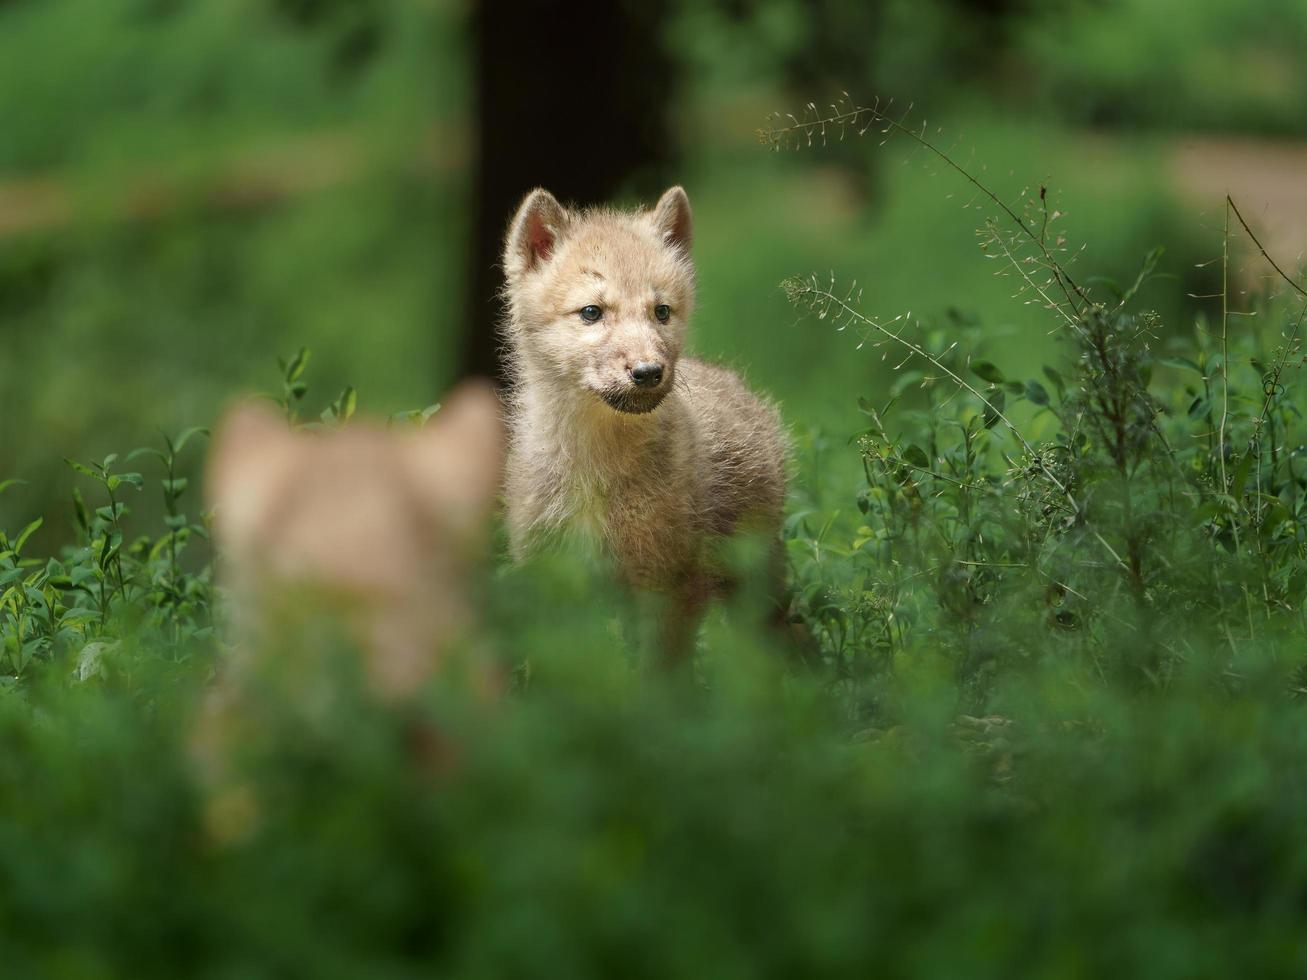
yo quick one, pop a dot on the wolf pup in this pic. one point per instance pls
(364, 529)
(613, 433)
(386, 527)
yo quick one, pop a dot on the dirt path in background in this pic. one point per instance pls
(259, 174)
(1268, 182)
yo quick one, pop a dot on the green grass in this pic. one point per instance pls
(231, 194)
(1171, 64)
(607, 821)
(1055, 728)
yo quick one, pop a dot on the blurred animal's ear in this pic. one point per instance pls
(534, 233)
(671, 217)
(253, 450)
(459, 457)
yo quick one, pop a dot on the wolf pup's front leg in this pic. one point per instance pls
(614, 434)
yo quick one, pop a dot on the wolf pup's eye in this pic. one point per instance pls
(591, 313)
(663, 312)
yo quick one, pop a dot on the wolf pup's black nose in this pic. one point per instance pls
(647, 375)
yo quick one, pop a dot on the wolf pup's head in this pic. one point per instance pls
(599, 300)
(387, 527)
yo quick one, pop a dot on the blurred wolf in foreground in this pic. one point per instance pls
(375, 532)
(383, 528)
(656, 456)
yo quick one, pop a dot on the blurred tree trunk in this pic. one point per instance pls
(570, 96)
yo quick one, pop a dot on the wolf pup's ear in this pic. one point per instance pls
(534, 232)
(671, 217)
(254, 454)
(459, 456)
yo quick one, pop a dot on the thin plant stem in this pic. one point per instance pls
(1225, 349)
(807, 290)
(853, 116)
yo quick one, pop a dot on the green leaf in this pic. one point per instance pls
(1149, 264)
(29, 649)
(158, 454)
(1274, 515)
(1036, 393)
(80, 513)
(904, 381)
(1113, 286)
(916, 456)
(135, 479)
(342, 408)
(6, 484)
(83, 574)
(997, 400)
(91, 660)
(80, 468)
(346, 403)
(1240, 477)
(111, 546)
(109, 461)
(26, 533)
(962, 318)
(1053, 375)
(186, 435)
(1176, 361)
(989, 371)
(296, 366)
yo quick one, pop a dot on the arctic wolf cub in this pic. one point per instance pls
(381, 528)
(613, 433)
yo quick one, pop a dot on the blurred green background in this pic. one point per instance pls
(189, 189)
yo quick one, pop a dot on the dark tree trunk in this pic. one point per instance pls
(572, 97)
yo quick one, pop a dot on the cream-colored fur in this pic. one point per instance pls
(657, 475)
(362, 529)
(383, 527)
